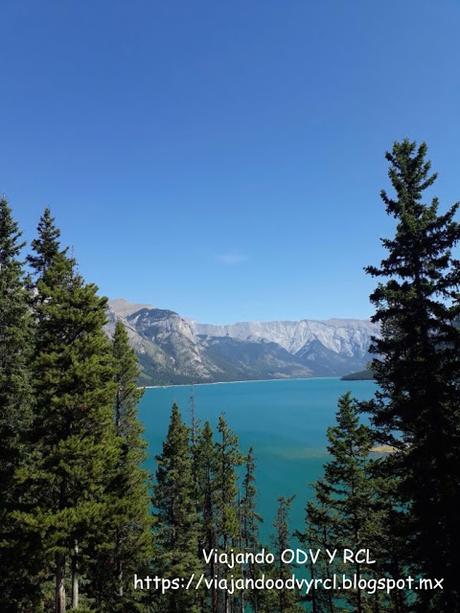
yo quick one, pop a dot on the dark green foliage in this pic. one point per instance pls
(127, 546)
(387, 540)
(287, 601)
(320, 535)
(74, 435)
(176, 527)
(205, 466)
(227, 516)
(250, 519)
(74, 390)
(249, 526)
(15, 349)
(76, 523)
(47, 244)
(228, 458)
(417, 367)
(18, 553)
(343, 516)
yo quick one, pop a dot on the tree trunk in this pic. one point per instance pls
(75, 576)
(120, 577)
(60, 600)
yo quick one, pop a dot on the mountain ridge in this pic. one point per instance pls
(173, 349)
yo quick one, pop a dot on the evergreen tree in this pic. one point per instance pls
(18, 550)
(205, 460)
(127, 548)
(47, 244)
(250, 520)
(348, 485)
(320, 535)
(249, 516)
(75, 437)
(417, 368)
(287, 599)
(343, 514)
(227, 516)
(228, 458)
(176, 527)
(388, 544)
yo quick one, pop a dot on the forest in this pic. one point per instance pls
(81, 517)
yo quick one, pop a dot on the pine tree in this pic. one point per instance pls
(250, 520)
(388, 542)
(18, 550)
(205, 462)
(287, 599)
(228, 458)
(250, 517)
(75, 437)
(343, 512)
(176, 526)
(320, 535)
(227, 517)
(133, 536)
(47, 244)
(417, 368)
(127, 547)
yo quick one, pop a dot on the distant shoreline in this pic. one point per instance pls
(151, 387)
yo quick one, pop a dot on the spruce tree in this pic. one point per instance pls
(228, 459)
(133, 532)
(127, 548)
(343, 512)
(288, 601)
(46, 245)
(250, 520)
(227, 516)
(249, 516)
(176, 526)
(417, 368)
(73, 427)
(18, 549)
(388, 542)
(205, 462)
(320, 535)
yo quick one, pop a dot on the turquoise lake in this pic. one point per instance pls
(285, 421)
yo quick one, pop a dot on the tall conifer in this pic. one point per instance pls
(127, 546)
(417, 368)
(228, 459)
(133, 529)
(319, 535)
(17, 549)
(348, 486)
(176, 527)
(46, 245)
(75, 438)
(205, 462)
(227, 515)
(287, 599)
(250, 520)
(342, 517)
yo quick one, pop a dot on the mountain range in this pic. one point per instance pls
(173, 349)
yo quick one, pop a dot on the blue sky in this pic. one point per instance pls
(224, 159)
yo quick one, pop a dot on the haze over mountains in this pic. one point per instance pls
(173, 349)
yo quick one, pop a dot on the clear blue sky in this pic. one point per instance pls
(224, 159)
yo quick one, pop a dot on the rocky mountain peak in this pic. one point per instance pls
(174, 349)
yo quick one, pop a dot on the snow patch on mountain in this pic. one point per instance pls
(173, 349)
(345, 336)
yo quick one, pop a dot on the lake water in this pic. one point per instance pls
(285, 421)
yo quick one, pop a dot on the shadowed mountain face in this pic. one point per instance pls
(173, 349)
